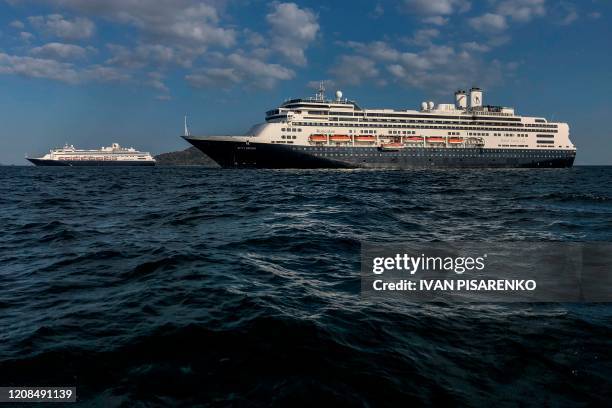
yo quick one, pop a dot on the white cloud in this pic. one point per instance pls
(499, 40)
(60, 51)
(102, 73)
(435, 12)
(378, 50)
(292, 29)
(167, 34)
(522, 10)
(506, 11)
(141, 55)
(474, 46)
(197, 24)
(17, 24)
(187, 22)
(571, 16)
(436, 7)
(32, 67)
(26, 36)
(423, 37)
(237, 68)
(437, 68)
(378, 11)
(183, 21)
(429, 70)
(353, 69)
(164, 34)
(253, 38)
(436, 20)
(214, 78)
(38, 68)
(564, 13)
(489, 23)
(264, 74)
(57, 25)
(155, 80)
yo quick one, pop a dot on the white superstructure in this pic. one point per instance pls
(296, 120)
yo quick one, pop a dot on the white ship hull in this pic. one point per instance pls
(90, 163)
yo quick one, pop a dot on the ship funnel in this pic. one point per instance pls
(460, 99)
(423, 105)
(475, 97)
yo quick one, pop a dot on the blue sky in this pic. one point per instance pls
(92, 72)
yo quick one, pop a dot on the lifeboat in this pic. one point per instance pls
(340, 138)
(391, 146)
(435, 139)
(365, 138)
(455, 140)
(318, 138)
(414, 138)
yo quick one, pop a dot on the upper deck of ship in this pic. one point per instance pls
(322, 107)
(114, 148)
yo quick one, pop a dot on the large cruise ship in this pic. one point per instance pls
(113, 155)
(321, 133)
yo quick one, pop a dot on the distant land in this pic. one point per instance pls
(188, 157)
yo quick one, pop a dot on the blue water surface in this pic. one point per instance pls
(186, 286)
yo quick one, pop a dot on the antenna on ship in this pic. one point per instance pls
(321, 91)
(186, 128)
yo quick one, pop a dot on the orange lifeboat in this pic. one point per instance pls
(340, 138)
(365, 138)
(318, 138)
(414, 138)
(455, 140)
(435, 139)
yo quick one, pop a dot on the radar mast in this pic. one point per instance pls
(321, 92)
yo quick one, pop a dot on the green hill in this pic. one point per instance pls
(188, 157)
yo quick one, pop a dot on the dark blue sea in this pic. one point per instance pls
(206, 287)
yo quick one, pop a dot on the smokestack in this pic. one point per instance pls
(475, 97)
(460, 99)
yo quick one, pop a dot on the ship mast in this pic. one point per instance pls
(321, 92)
(186, 128)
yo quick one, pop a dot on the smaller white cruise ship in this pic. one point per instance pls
(113, 155)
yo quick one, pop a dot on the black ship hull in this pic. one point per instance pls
(90, 163)
(238, 154)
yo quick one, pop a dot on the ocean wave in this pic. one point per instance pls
(180, 286)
